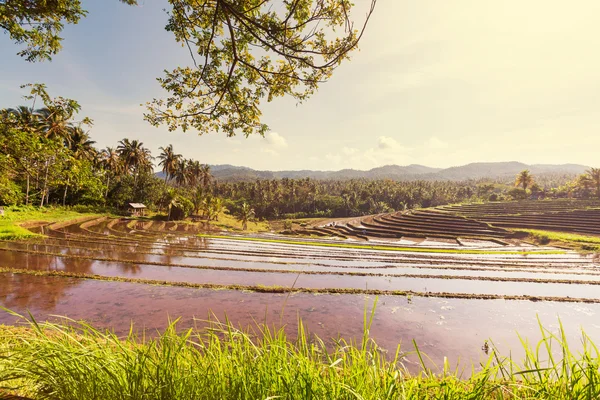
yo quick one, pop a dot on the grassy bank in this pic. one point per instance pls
(76, 361)
(229, 222)
(582, 242)
(10, 224)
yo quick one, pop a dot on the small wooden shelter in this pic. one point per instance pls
(136, 209)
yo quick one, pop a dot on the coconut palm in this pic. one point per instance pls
(54, 124)
(182, 173)
(246, 214)
(195, 173)
(593, 176)
(135, 157)
(524, 179)
(169, 161)
(78, 141)
(111, 163)
(206, 176)
(22, 117)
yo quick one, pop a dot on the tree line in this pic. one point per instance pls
(48, 157)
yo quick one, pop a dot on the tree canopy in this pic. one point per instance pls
(37, 24)
(242, 53)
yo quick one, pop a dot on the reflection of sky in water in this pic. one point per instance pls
(442, 327)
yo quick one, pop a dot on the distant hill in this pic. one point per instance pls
(504, 169)
(491, 170)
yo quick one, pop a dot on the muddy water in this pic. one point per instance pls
(170, 256)
(202, 276)
(442, 327)
(313, 257)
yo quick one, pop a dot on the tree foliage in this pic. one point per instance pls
(242, 52)
(247, 51)
(524, 179)
(37, 24)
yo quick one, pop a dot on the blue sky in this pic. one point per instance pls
(435, 83)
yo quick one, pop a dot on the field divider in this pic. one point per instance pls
(399, 264)
(282, 290)
(430, 262)
(79, 220)
(334, 273)
(146, 239)
(383, 247)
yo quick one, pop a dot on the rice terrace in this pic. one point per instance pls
(442, 276)
(224, 199)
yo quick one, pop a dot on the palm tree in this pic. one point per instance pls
(195, 173)
(182, 173)
(593, 175)
(171, 201)
(112, 164)
(217, 207)
(169, 161)
(246, 214)
(206, 175)
(80, 144)
(22, 117)
(524, 179)
(54, 124)
(135, 157)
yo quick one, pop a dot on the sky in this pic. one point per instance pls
(437, 83)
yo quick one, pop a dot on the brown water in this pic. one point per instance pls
(442, 327)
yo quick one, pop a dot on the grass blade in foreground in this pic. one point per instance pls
(76, 361)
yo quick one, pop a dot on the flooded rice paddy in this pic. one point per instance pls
(115, 272)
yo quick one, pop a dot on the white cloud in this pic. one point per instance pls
(333, 158)
(436, 143)
(349, 151)
(386, 142)
(276, 140)
(270, 152)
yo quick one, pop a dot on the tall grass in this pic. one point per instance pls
(584, 242)
(13, 216)
(73, 360)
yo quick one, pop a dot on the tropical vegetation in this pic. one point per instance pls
(48, 157)
(265, 50)
(76, 361)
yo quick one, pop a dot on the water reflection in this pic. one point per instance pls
(442, 327)
(22, 292)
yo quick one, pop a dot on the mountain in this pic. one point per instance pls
(502, 170)
(226, 172)
(233, 173)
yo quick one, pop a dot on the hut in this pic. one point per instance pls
(136, 209)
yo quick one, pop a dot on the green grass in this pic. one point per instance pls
(74, 360)
(379, 247)
(10, 228)
(580, 241)
(230, 222)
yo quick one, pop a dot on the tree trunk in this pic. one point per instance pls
(107, 186)
(45, 183)
(27, 192)
(65, 194)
